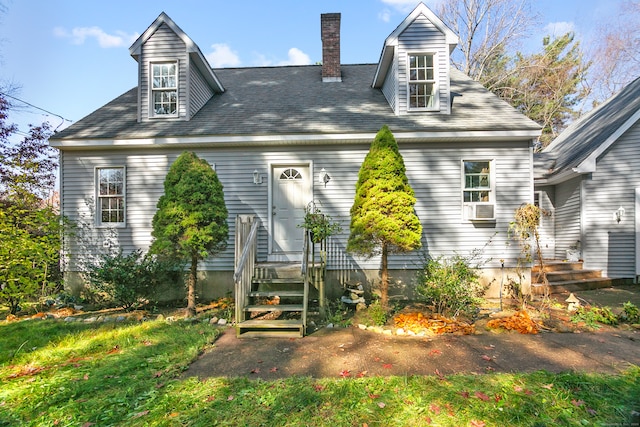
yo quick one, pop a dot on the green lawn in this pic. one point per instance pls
(54, 373)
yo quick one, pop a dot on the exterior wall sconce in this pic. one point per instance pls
(324, 177)
(257, 178)
(619, 214)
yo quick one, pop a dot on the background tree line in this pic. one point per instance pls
(556, 83)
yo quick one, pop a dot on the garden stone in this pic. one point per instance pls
(213, 320)
(69, 319)
(329, 325)
(362, 326)
(387, 332)
(121, 319)
(90, 320)
(160, 317)
(78, 307)
(400, 332)
(222, 322)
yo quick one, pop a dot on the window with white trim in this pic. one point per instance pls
(164, 89)
(477, 190)
(111, 196)
(422, 88)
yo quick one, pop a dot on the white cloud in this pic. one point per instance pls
(385, 15)
(223, 56)
(404, 6)
(79, 35)
(558, 29)
(296, 57)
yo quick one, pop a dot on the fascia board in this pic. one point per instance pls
(261, 140)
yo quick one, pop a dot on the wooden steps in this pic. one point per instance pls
(287, 328)
(566, 277)
(275, 305)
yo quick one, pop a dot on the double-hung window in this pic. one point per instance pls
(111, 196)
(164, 89)
(422, 82)
(477, 190)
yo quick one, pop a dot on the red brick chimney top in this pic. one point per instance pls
(330, 32)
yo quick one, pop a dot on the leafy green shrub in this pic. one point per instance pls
(451, 286)
(630, 313)
(594, 316)
(130, 280)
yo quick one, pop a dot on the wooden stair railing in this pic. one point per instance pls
(245, 259)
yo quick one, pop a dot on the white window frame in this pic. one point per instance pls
(470, 206)
(434, 81)
(101, 198)
(163, 89)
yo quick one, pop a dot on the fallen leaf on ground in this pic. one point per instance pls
(519, 321)
(577, 402)
(381, 404)
(387, 366)
(361, 374)
(475, 423)
(417, 322)
(274, 369)
(480, 395)
(255, 371)
(487, 358)
(141, 414)
(345, 373)
(435, 409)
(435, 352)
(547, 386)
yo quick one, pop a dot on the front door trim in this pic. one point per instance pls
(273, 255)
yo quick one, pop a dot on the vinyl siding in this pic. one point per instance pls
(434, 171)
(423, 37)
(567, 221)
(163, 45)
(609, 245)
(199, 91)
(390, 86)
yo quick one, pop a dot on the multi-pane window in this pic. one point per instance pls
(477, 181)
(164, 88)
(111, 195)
(422, 83)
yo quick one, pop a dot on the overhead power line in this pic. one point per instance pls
(38, 108)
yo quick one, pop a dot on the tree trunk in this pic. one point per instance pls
(384, 285)
(191, 288)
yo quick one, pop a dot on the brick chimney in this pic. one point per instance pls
(330, 32)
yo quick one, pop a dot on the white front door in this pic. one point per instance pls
(291, 192)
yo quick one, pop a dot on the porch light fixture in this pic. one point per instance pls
(619, 214)
(324, 177)
(257, 179)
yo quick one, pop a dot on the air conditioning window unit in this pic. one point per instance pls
(479, 211)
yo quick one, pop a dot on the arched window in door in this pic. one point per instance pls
(290, 174)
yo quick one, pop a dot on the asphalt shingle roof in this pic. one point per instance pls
(576, 143)
(293, 100)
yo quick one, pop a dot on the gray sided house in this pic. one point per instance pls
(588, 179)
(281, 137)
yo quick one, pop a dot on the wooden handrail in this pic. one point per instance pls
(246, 249)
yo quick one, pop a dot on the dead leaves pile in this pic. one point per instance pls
(519, 321)
(434, 323)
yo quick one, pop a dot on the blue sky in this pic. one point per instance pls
(70, 57)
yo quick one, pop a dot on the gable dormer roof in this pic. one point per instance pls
(193, 50)
(391, 42)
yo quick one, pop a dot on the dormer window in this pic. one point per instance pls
(422, 88)
(164, 89)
